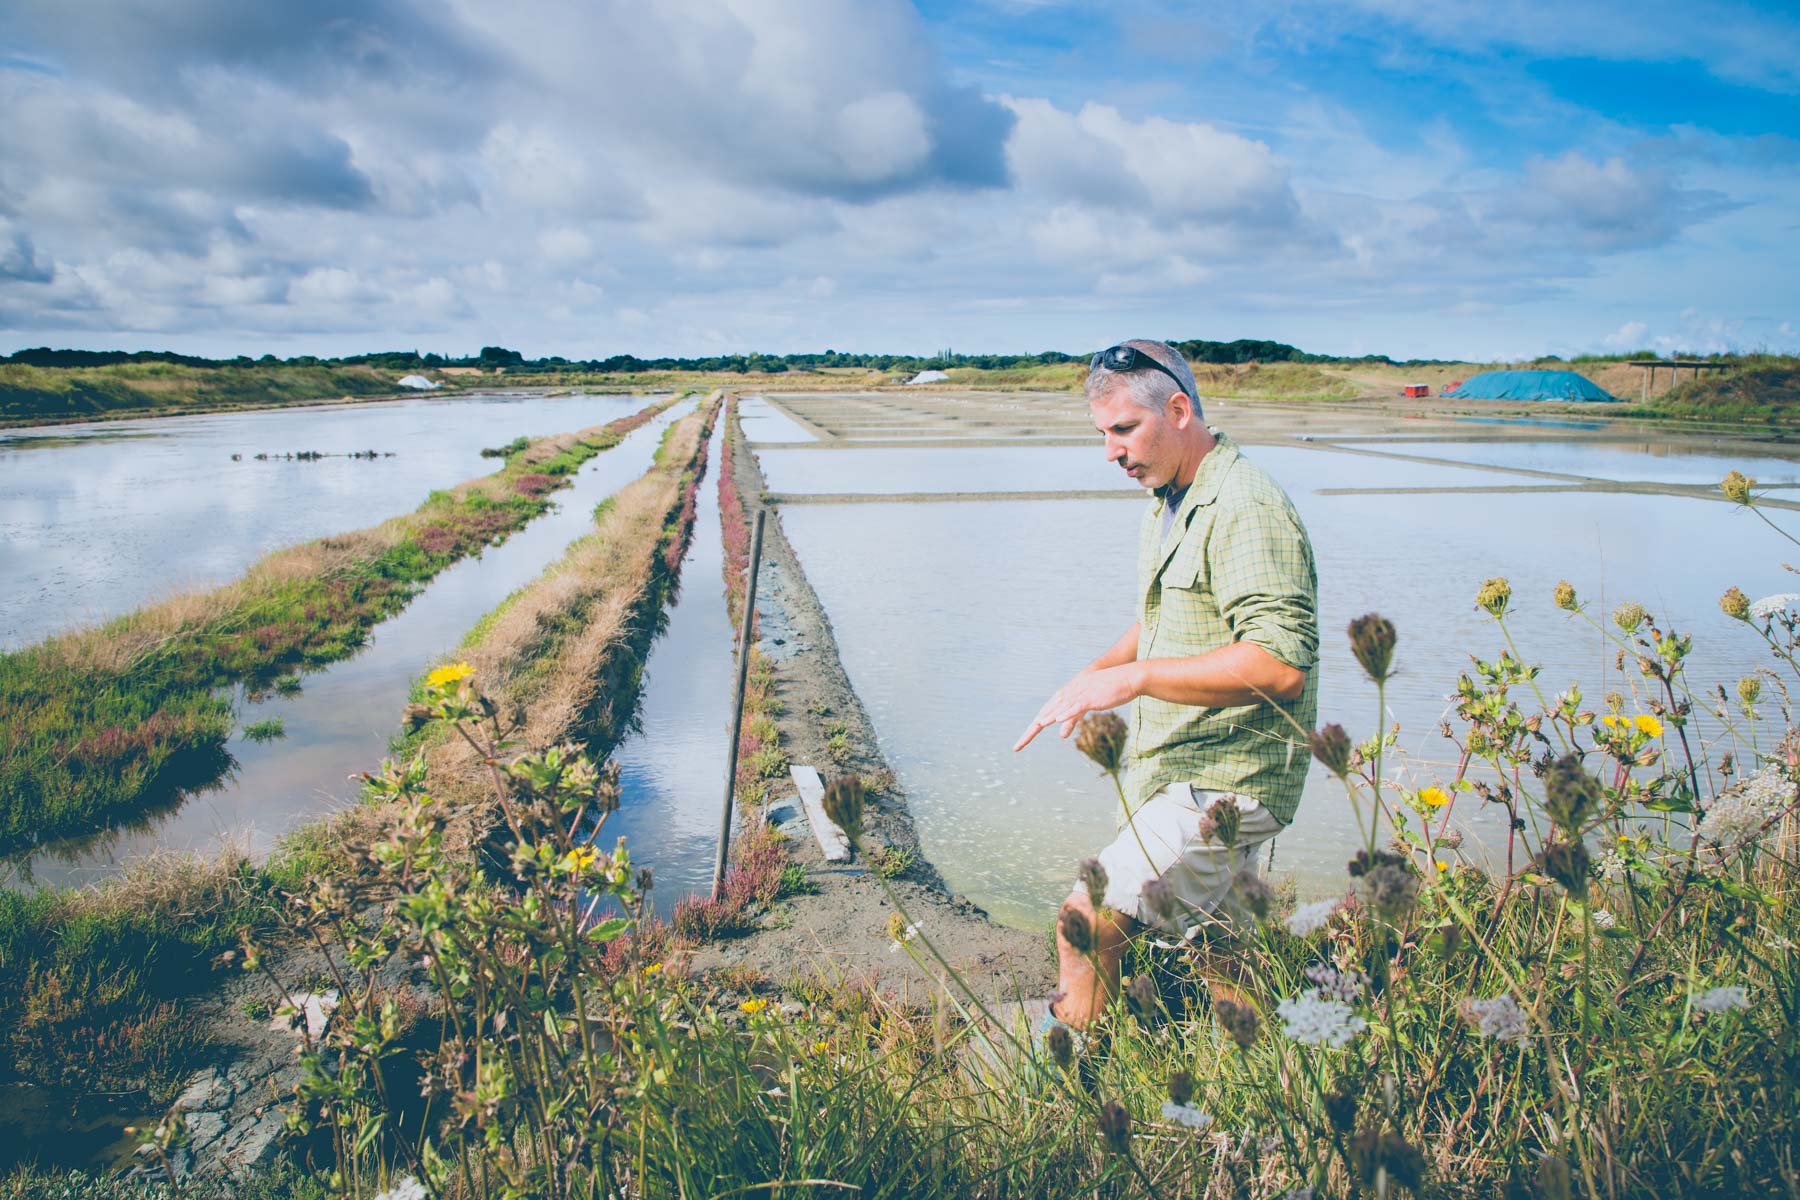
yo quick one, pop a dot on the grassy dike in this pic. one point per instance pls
(102, 721)
(92, 982)
(52, 395)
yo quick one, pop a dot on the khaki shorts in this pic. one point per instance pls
(1166, 828)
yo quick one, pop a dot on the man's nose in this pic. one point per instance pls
(1115, 449)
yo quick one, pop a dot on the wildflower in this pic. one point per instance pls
(580, 858)
(1159, 897)
(1101, 736)
(1612, 866)
(1773, 606)
(1567, 863)
(1385, 881)
(1565, 596)
(1254, 892)
(1317, 1020)
(1736, 487)
(754, 1006)
(406, 1189)
(1722, 999)
(1076, 930)
(1304, 1192)
(1603, 919)
(1646, 723)
(900, 932)
(607, 788)
(1373, 1151)
(844, 804)
(1741, 814)
(1340, 1107)
(1335, 984)
(1226, 820)
(1115, 1127)
(1181, 1087)
(1061, 1044)
(445, 676)
(1239, 1021)
(1749, 689)
(1331, 746)
(1571, 793)
(1500, 1018)
(653, 969)
(1629, 616)
(1141, 995)
(1433, 797)
(1189, 1115)
(646, 879)
(1494, 595)
(1372, 640)
(1735, 604)
(1452, 839)
(1308, 919)
(1093, 877)
(820, 1046)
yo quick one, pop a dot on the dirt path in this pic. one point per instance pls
(840, 933)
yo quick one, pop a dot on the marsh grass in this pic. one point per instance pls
(103, 719)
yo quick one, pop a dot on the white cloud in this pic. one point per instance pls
(564, 245)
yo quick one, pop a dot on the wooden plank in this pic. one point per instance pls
(832, 840)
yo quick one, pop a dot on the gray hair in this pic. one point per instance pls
(1147, 388)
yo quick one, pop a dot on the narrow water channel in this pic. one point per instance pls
(342, 720)
(672, 770)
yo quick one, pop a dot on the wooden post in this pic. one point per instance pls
(737, 712)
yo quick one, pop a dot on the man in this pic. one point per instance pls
(1220, 664)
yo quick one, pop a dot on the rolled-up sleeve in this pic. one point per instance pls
(1260, 566)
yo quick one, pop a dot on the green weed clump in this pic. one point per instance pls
(104, 721)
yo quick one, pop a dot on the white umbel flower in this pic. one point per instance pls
(1500, 1018)
(406, 1189)
(1604, 919)
(1190, 1115)
(1308, 919)
(1770, 606)
(1740, 814)
(1313, 1018)
(1722, 999)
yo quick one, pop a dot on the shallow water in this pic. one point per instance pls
(672, 771)
(96, 520)
(763, 422)
(1655, 461)
(342, 720)
(956, 620)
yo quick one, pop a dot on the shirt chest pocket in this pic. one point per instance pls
(1183, 597)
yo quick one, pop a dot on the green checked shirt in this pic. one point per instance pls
(1236, 566)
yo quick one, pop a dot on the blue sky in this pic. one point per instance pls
(1447, 179)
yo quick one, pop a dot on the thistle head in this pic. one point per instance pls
(1101, 736)
(1142, 997)
(1254, 892)
(1061, 1044)
(1239, 1021)
(1567, 863)
(1494, 596)
(1736, 487)
(1115, 1127)
(1226, 820)
(1076, 930)
(1093, 877)
(1629, 616)
(1158, 896)
(1385, 881)
(1331, 746)
(1565, 596)
(1181, 1087)
(1372, 641)
(1735, 604)
(844, 804)
(1571, 793)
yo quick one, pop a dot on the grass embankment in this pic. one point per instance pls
(1763, 393)
(101, 721)
(31, 395)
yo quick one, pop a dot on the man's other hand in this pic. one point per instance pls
(1090, 691)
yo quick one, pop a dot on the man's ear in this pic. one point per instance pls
(1180, 410)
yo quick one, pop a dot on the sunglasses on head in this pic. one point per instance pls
(1122, 358)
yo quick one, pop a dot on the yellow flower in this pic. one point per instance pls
(819, 1046)
(1610, 722)
(580, 858)
(445, 676)
(1648, 724)
(1443, 866)
(1434, 797)
(653, 968)
(754, 1006)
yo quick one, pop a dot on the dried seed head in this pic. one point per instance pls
(1181, 1087)
(1254, 892)
(1571, 794)
(1061, 1044)
(1565, 596)
(1101, 736)
(1629, 616)
(1494, 595)
(1385, 881)
(1141, 995)
(1115, 1127)
(1749, 689)
(844, 804)
(1076, 930)
(1331, 746)
(606, 788)
(1735, 604)
(1340, 1107)
(1372, 641)
(1093, 877)
(1239, 1021)
(1567, 863)
(1226, 820)
(1736, 486)
(645, 879)
(1158, 896)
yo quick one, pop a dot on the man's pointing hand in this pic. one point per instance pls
(1090, 691)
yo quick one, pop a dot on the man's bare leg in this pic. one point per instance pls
(1085, 989)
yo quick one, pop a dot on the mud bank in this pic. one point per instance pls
(838, 933)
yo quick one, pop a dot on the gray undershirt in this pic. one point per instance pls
(1171, 504)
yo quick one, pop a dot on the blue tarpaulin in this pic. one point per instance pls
(1530, 385)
